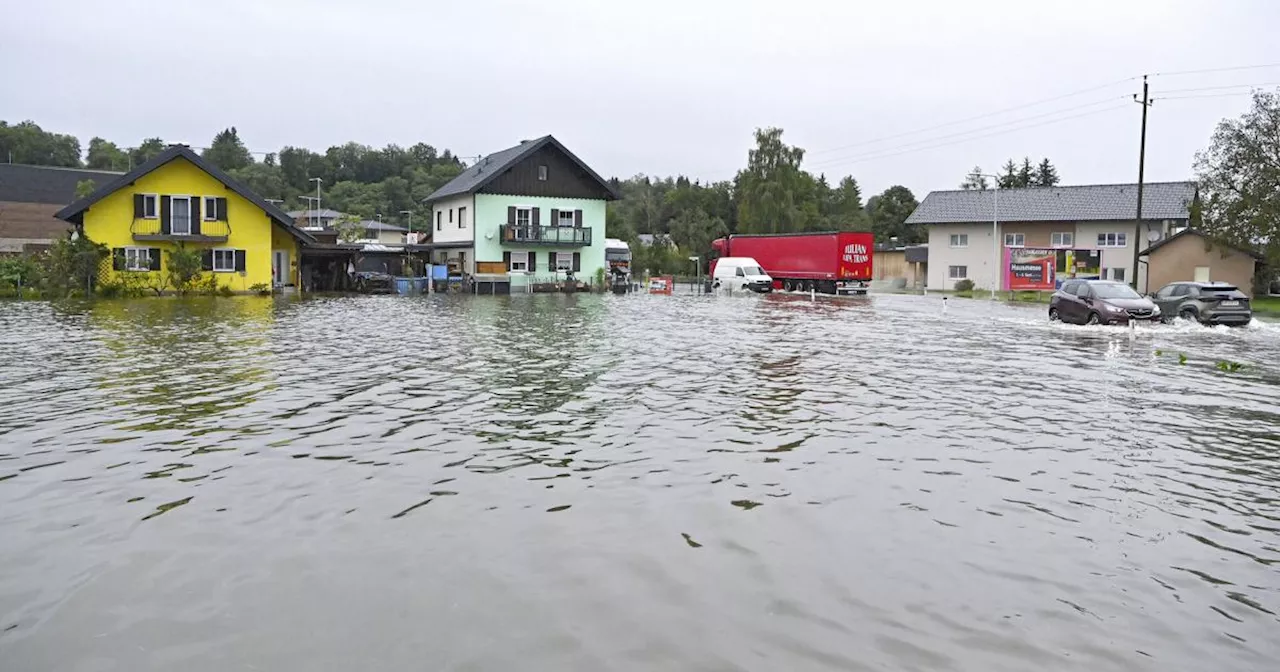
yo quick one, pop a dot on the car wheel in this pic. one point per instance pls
(1188, 314)
(1093, 319)
(1054, 316)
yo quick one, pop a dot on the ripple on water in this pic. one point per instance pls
(641, 481)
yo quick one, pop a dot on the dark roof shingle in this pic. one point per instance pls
(476, 176)
(1160, 200)
(45, 184)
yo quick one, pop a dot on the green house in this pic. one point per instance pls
(528, 215)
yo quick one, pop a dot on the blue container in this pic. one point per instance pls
(402, 285)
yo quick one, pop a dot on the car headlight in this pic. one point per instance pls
(1155, 310)
(1115, 309)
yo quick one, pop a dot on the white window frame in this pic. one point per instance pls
(1018, 240)
(564, 262)
(951, 272)
(1109, 273)
(190, 224)
(560, 220)
(1065, 239)
(959, 240)
(226, 251)
(523, 261)
(155, 206)
(528, 216)
(142, 254)
(1113, 239)
(207, 213)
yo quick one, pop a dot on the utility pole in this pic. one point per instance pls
(1142, 159)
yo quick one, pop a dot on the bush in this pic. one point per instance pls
(184, 268)
(262, 288)
(225, 290)
(965, 285)
(71, 266)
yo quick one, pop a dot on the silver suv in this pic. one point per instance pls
(1205, 302)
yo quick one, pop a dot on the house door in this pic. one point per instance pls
(180, 216)
(279, 268)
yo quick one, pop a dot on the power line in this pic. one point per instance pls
(983, 128)
(979, 116)
(874, 156)
(1207, 70)
(1207, 95)
(1219, 88)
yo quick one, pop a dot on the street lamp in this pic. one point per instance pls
(408, 213)
(995, 236)
(317, 208)
(697, 269)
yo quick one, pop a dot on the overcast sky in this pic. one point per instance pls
(659, 86)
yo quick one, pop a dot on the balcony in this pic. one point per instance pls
(564, 236)
(207, 231)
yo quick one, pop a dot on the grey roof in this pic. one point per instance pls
(74, 213)
(21, 183)
(485, 170)
(374, 225)
(1160, 200)
(324, 213)
(1194, 232)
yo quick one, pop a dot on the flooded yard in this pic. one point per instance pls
(589, 482)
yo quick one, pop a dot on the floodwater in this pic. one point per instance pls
(632, 483)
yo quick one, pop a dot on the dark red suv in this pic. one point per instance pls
(1100, 302)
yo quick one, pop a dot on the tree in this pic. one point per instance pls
(1239, 179)
(72, 265)
(184, 267)
(1025, 173)
(850, 214)
(1009, 175)
(349, 228)
(146, 151)
(693, 230)
(227, 152)
(84, 188)
(770, 188)
(27, 143)
(975, 180)
(105, 155)
(263, 179)
(1046, 175)
(889, 213)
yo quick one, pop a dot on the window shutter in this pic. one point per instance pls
(555, 217)
(240, 265)
(506, 259)
(164, 215)
(196, 203)
(534, 216)
(206, 260)
(117, 259)
(222, 209)
(533, 261)
(154, 255)
(511, 215)
(577, 218)
(139, 206)
(577, 262)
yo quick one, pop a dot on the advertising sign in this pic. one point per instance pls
(1078, 265)
(1029, 269)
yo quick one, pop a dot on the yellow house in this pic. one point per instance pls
(179, 198)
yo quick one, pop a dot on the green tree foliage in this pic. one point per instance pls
(976, 179)
(184, 268)
(144, 152)
(848, 213)
(84, 188)
(28, 143)
(1016, 176)
(349, 228)
(772, 188)
(889, 212)
(227, 151)
(104, 155)
(1239, 179)
(693, 230)
(20, 272)
(71, 266)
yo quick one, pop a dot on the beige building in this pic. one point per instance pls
(1190, 256)
(970, 230)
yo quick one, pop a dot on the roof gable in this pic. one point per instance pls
(74, 213)
(1094, 202)
(485, 171)
(1200, 234)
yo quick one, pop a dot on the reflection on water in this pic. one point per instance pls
(641, 482)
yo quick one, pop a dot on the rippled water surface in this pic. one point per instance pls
(624, 483)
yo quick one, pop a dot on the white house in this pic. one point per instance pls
(1095, 222)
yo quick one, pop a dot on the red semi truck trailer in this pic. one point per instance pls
(830, 262)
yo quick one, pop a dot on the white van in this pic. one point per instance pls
(739, 273)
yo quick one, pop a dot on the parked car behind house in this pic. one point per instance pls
(1100, 302)
(1205, 302)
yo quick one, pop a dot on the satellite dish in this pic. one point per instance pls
(1153, 236)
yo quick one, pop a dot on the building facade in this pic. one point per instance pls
(528, 214)
(179, 200)
(1190, 256)
(30, 196)
(1090, 230)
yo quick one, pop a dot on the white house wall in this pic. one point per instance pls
(454, 231)
(977, 256)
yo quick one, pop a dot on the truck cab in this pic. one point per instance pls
(740, 273)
